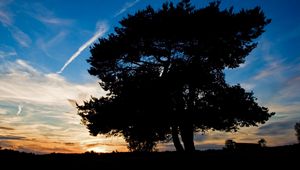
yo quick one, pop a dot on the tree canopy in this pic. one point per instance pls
(164, 73)
(262, 142)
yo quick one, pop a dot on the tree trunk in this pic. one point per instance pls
(186, 128)
(176, 140)
(187, 136)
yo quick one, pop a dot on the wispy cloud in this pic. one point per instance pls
(47, 121)
(278, 132)
(3, 111)
(46, 44)
(283, 75)
(6, 128)
(126, 6)
(53, 20)
(101, 30)
(21, 37)
(21, 82)
(44, 15)
(40, 146)
(275, 128)
(292, 109)
(4, 54)
(5, 17)
(290, 89)
(273, 68)
(11, 137)
(7, 21)
(20, 107)
(57, 38)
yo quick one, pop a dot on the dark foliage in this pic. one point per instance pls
(230, 144)
(164, 73)
(297, 129)
(262, 142)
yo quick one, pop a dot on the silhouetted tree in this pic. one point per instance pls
(297, 129)
(164, 71)
(230, 144)
(262, 142)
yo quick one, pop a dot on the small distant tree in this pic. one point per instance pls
(297, 129)
(262, 142)
(230, 144)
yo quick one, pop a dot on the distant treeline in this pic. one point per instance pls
(268, 156)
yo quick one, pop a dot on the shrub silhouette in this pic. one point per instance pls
(262, 142)
(297, 129)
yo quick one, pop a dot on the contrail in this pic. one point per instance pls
(102, 28)
(20, 107)
(126, 7)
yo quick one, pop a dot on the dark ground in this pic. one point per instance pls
(283, 157)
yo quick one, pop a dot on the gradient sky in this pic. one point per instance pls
(43, 72)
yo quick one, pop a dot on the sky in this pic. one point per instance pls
(43, 73)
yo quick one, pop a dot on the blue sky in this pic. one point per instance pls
(37, 94)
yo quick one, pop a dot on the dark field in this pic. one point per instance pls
(278, 157)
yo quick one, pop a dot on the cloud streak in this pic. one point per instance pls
(44, 15)
(290, 89)
(5, 15)
(53, 20)
(7, 21)
(20, 107)
(126, 6)
(47, 44)
(6, 128)
(5, 18)
(101, 30)
(11, 137)
(4, 54)
(20, 83)
(49, 123)
(21, 37)
(274, 67)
